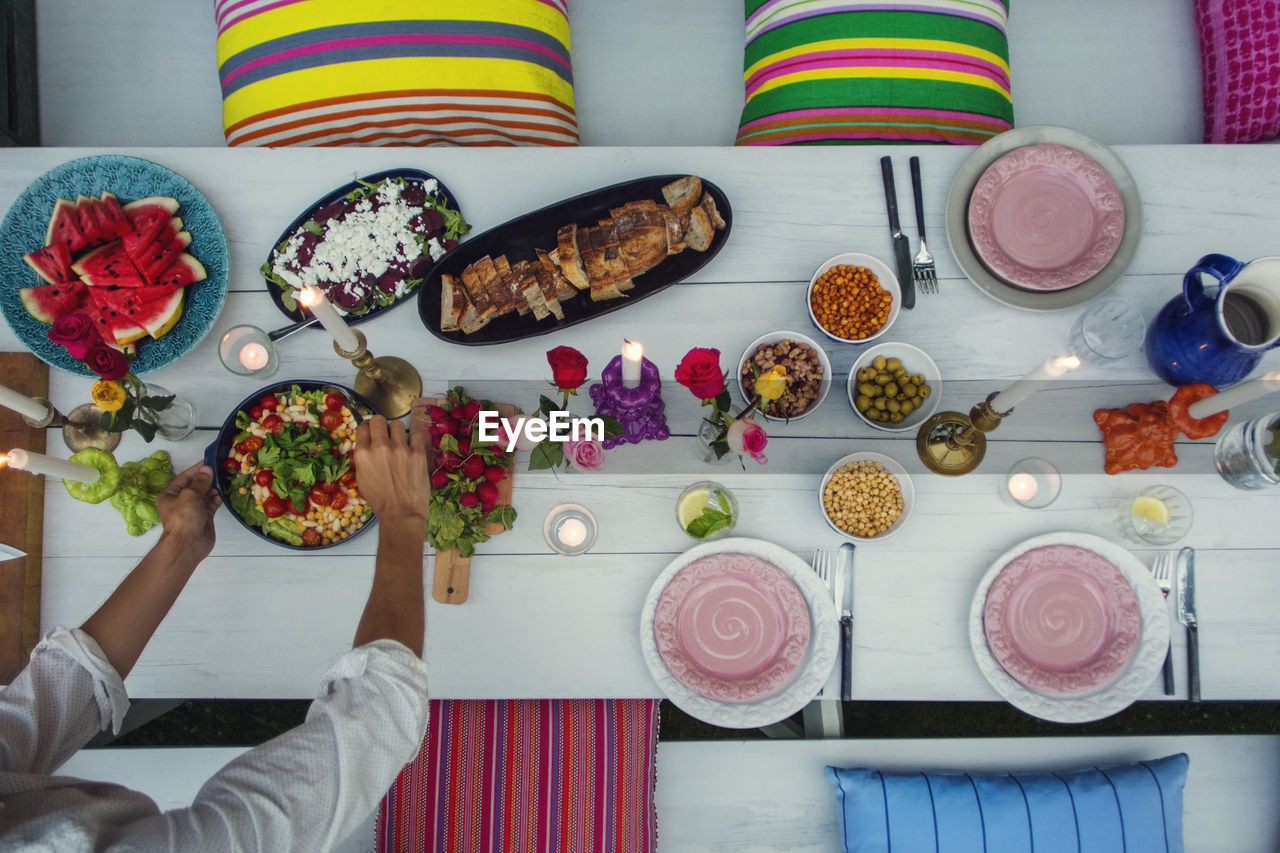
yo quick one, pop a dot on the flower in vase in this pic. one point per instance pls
(747, 436)
(110, 364)
(586, 456)
(76, 333)
(568, 368)
(773, 384)
(699, 371)
(108, 395)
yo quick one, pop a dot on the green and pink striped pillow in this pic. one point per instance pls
(829, 72)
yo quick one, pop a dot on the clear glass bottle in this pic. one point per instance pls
(1243, 454)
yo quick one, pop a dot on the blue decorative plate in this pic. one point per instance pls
(129, 178)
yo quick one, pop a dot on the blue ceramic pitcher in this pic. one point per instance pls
(1220, 337)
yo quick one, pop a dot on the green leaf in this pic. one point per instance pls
(546, 406)
(548, 454)
(286, 297)
(504, 515)
(709, 522)
(449, 443)
(314, 227)
(466, 548)
(612, 429)
(723, 401)
(268, 456)
(723, 500)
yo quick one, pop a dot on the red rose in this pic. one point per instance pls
(110, 364)
(699, 371)
(568, 367)
(75, 332)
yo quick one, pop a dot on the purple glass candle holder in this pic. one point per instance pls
(640, 410)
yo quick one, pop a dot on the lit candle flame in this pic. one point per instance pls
(308, 296)
(632, 350)
(4, 460)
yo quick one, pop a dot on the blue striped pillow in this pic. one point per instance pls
(1130, 807)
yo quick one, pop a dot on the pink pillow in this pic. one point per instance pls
(1240, 55)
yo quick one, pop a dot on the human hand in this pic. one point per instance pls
(186, 508)
(394, 470)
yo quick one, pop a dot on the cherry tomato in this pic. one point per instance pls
(274, 507)
(331, 420)
(293, 510)
(265, 477)
(273, 423)
(320, 497)
(334, 402)
(329, 488)
(250, 444)
(270, 403)
(231, 466)
(349, 479)
(339, 500)
(311, 537)
(255, 412)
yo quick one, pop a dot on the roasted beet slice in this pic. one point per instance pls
(350, 300)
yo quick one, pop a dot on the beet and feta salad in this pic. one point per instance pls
(291, 468)
(369, 248)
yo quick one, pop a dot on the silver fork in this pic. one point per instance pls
(923, 271)
(1162, 571)
(824, 566)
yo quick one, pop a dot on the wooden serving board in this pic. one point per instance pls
(453, 571)
(21, 519)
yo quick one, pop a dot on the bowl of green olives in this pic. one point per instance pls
(894, 386)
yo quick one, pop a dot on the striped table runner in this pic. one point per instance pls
(528, 775)
(849, 71)
(389, 72)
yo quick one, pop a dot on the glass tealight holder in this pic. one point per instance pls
(248, 351)
(1033, 483)
(1159, 515)
(1108, 330)
(570, 529)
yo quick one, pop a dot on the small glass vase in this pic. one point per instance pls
(708, 431)
(1243, 454)
(178, 420)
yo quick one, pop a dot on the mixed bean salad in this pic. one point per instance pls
(291, 468)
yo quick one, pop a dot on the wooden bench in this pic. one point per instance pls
(772, 795)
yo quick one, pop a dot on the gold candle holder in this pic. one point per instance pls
(80, 428)
(953, 443)
(391, 384)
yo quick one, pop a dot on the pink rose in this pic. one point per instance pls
(76, 332)
(585, 455)
(748, 437)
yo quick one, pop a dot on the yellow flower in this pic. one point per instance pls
(771, 385)
(108, 396)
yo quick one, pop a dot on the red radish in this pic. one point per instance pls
(484, 507)
(488, 492)
(437, 414)
(469, 499)
(450, 461)
(473, 467)
(464, 446)
(494, 473)
(439, 480)
(435, 430)
(449, 426)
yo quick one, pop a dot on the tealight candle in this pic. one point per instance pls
(313, 299)
(253, 356)
(571, 532)
(22, 404)
(1022, 487)
(632, 360)
(248, 351)
(570, 529)
(1033, 483)
(1032, 382)
(38, 463)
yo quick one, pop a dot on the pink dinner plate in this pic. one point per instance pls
(1046, 217)
(732, 627)
(1062, 620)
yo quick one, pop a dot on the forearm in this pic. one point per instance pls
(127, 619)
(395, 610)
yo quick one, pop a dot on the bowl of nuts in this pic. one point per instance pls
(866, 496)
(894, 386)
(807, 373)
(854, 298)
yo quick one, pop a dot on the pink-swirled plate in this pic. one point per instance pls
(1046, 217)
(732, 627)
(1062, 619)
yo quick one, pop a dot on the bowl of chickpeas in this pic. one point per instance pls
(866, 496)
(854, 298)
(894, 386)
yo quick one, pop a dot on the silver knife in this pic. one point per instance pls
(7, 552)
(845, 570)
(1187, 616)
(901, 248)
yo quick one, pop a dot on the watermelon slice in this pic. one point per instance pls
(64, 226)
(108, 266)
(107, 226)
(88, 221)
(147, 218)
(155, 262)
(109, 311)
(111, 207)
(48, 302)
(183, 271)
(144, 252)
(156, 309)
(52, 263)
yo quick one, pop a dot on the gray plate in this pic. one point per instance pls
(957, 219)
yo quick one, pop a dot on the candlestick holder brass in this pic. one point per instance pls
(80, 428)
(953, 443)
(390, 383)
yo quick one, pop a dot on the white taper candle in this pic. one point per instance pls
(1032, 382)
(632, 358)
(38, 463)
(23, 405)
(312, 298)
(1236, 395)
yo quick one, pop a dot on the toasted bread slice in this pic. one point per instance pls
(606, 237)
(547, 285)
(510, 284)
(453, 303)
(550, 262)
(571, 264)
(495, 287)
(476, 293)
(698, 231)
(675, 231)
(471, 321)
(642, 236)
(709, 205)
(530, 290)
(683, 195)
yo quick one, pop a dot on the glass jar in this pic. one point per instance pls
(708, 431)
(1243, 454)
(700, 497)
(177, 420)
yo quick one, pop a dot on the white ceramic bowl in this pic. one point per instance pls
(915, 360)
(894, 468)
(824, 386)
(888, 280)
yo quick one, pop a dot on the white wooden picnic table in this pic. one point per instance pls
(260, 621)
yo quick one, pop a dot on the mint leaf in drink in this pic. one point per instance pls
(709, 522)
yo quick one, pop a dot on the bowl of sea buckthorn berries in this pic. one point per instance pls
(854, 298)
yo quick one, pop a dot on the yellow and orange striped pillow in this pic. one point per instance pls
(395, 72)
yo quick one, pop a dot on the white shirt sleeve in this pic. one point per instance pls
(310, 787)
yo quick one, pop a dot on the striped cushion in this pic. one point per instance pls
(377, 72)
(1131, 807)
(528, 775)
(855, 71)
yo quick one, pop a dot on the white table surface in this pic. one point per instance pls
(256, 621)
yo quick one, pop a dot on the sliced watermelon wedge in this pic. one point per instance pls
(64, 226)
(109, 310)
(145, 252)
(155, 262)
(106, 225)
(88, 221)
(108, 266)
(156, 313)
(183, 271)
(115, 213)
(48, 302)
(147, 218)
(52, 263)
